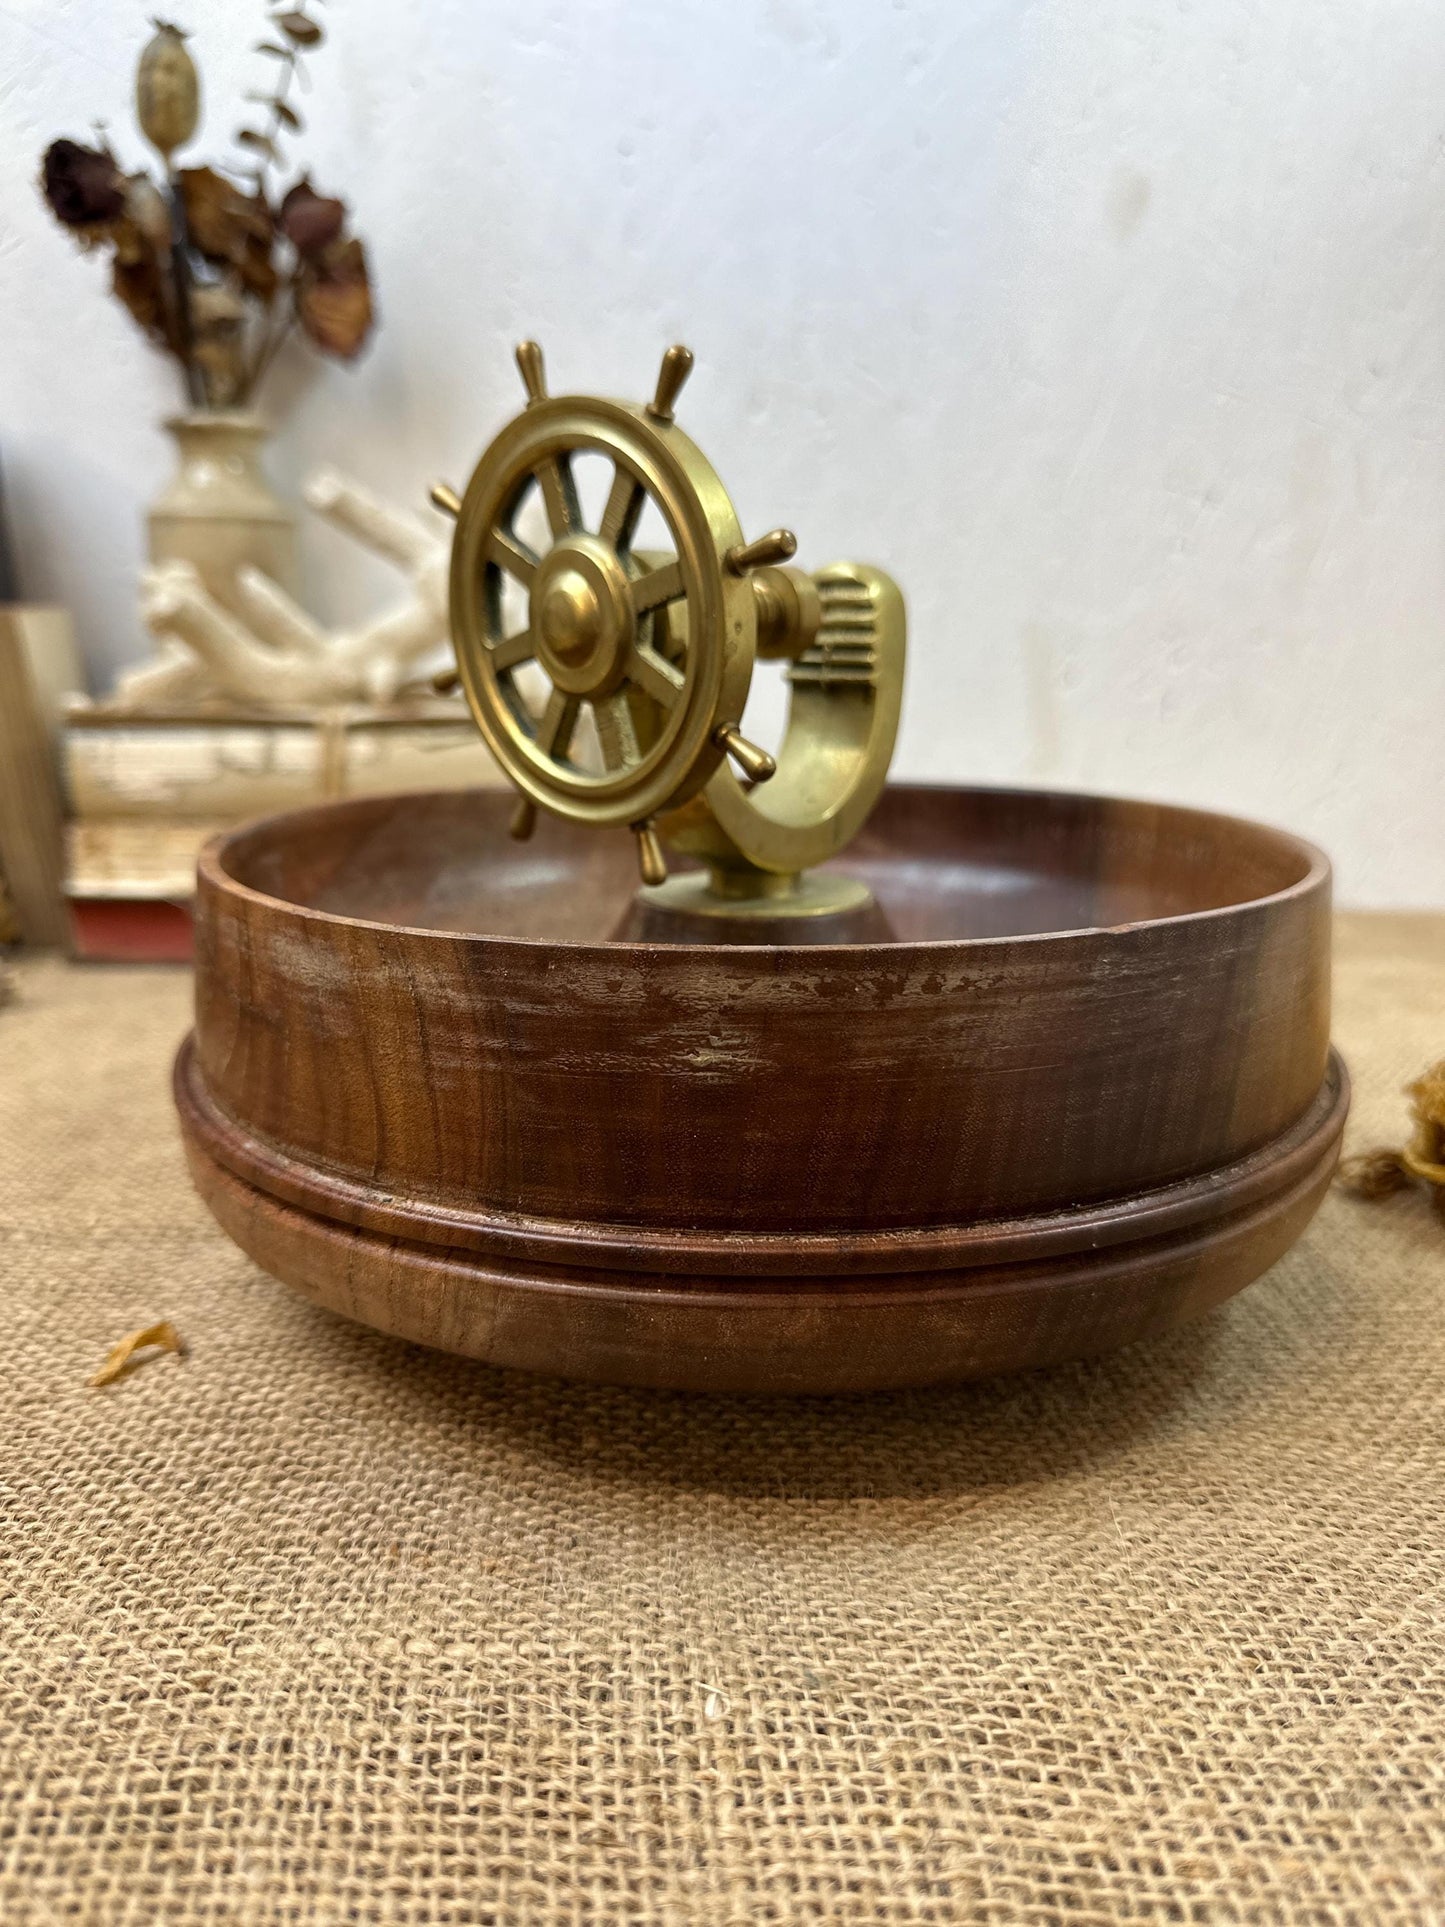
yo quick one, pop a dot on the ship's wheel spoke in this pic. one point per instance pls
(512, 650)
(559, 719)
(512, 555)
(657, 587)
(624, 506)
(658, 678)
(559, 493)
(615, 732)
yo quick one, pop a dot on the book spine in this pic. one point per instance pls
(30, 840)
(117, 930)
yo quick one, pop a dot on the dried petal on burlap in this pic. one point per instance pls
(138, 1348)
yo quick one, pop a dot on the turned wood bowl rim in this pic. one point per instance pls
(1286, 1160)
(211, 868)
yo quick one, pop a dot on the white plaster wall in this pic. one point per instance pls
(1113, 327)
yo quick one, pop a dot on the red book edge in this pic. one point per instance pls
(130, 930)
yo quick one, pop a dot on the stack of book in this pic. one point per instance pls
(147, 789)
(38, 673)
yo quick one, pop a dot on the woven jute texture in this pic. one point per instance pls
(311, 1626)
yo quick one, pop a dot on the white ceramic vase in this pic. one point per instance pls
(219, 512)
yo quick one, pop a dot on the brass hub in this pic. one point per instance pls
(582, 616)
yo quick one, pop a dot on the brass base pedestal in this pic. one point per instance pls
(815, 907)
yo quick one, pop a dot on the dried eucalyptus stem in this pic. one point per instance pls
(299, 32)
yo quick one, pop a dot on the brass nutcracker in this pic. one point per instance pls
(657, 649)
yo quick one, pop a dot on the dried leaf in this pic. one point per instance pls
(270, 47)
(210, 202)
(298, 27)
(310, 221)
(83, 185)
(230, 228)
(163, 1337)
(1380, 1173)
(256, 217)
(258, 143)
(256, 267)
(1373, 1175)
(138, 285)
(139, 278)
(333, 300)
(1427, 1095)
(336, 315)
(284, 112)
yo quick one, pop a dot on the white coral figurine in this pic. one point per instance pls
(275, 654)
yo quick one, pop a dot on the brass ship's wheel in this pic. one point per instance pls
(654, 651)
(608, 675)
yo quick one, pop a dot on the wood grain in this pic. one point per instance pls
(1097, 1054)
(721, 1335)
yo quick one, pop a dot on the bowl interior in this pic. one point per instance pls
(945, 864)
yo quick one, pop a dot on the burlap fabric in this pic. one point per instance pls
(314, 1627)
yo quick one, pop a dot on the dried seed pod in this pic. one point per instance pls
(167, 91)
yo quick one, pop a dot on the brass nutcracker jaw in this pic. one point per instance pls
(760, 843)
(619, 700)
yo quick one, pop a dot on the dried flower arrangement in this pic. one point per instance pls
(218, 264)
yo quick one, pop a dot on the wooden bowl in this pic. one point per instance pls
(1088, 1093)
